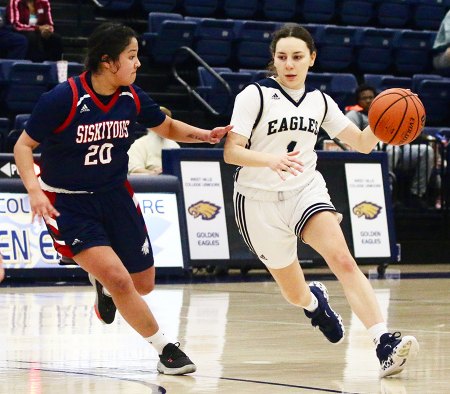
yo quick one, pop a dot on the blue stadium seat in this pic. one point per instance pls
(321, 81)
(241, 9)
(394, 13)
(340, 86)
(435, 96)
(357, 12)
(172, 34)
(201, 7)
(214, 40)
(343, 87)
(257, 74)
(383, 82)
(417, 78)
(318, 11)
(412, 51)
(374, 50)
(336, 48)
(279, 10)
(159, 5)
(252, 43)
(25, 84)
(428, 14)
(155, 19)
(212, 90)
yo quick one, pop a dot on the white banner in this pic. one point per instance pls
(28, 245)
(367, 210)
(205, 212)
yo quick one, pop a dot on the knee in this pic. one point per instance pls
(144, 288)
(118, 283)
(343, 264)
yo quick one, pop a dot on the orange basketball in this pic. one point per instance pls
(397, 116)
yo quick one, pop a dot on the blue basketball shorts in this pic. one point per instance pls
(111, 218)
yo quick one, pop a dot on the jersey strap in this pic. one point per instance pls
(73, 109)
(136, 100)
(326, 107)
(261, 107)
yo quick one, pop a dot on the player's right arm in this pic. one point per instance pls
(23, 155)
(246, 108)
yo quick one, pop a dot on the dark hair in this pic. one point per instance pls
(106, 43)
(291, 30)
(362, 88)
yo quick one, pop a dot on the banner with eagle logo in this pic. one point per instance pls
(205, 210)
(366, 198)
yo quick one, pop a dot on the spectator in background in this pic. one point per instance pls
(418, 158)
(12, 45)
(441, 46)
(33, 19)
(145, 153)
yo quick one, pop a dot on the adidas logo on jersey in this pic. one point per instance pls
(84, 108)
(262, 257)
(275, 97)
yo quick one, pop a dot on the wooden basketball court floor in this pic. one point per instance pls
(243, 337)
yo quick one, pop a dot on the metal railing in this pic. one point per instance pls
(192, 92)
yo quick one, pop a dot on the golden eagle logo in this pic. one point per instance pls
(367, 209)
(207, 210)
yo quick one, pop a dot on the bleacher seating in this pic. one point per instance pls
(428, 14)
(240, 9)
(394, 13)
(435, 95)
(252, 43)
(374, 49)
(279, 10)
(412, 51)
(166, 36)
(383, 82)
(214, 40)
(158, 5)
(24, 84)
(356, 12)
(336, 48)
(201, 7)
(318, 11)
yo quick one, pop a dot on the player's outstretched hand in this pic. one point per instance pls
(287, 163)
(40, 206)
(218, 133)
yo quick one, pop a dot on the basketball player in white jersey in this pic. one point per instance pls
(280, 196)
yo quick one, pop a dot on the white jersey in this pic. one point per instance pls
(283, 125)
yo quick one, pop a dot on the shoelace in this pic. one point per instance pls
(175, 351)
(385, 348)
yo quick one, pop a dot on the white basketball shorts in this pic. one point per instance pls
(271, 222)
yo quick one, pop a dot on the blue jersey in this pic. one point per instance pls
(85, 137)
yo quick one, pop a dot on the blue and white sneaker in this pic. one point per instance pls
(328, 321)
(394, 352)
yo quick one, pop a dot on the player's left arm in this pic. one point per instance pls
(182, 132)
(363, 141)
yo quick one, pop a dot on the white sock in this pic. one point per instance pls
(313, 305)
(376, 331)
(158, 341)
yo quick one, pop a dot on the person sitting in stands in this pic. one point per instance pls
(145, 153)
(416, 157)
(12, 45)
(441, 46)
(33, 19)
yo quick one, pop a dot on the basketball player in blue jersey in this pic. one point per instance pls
(84, 127)
(280, 197)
